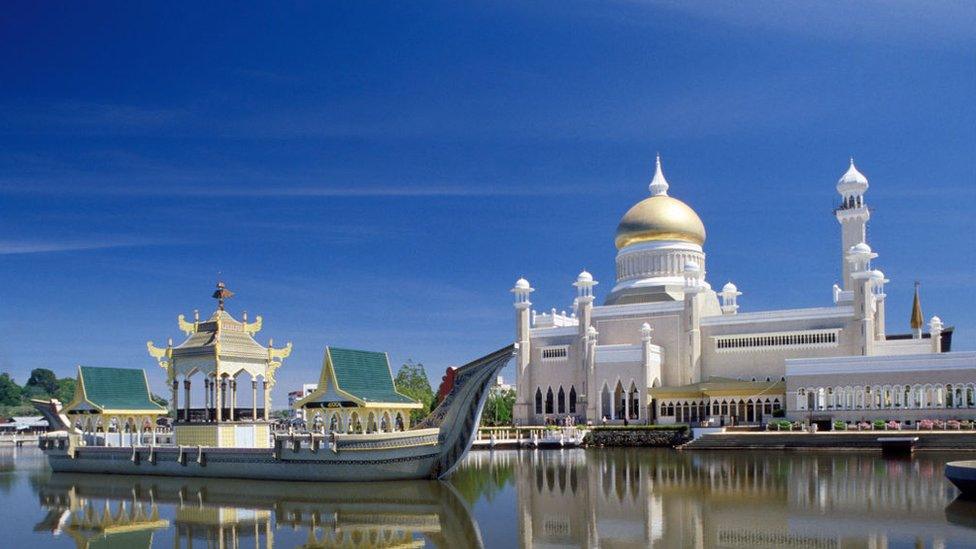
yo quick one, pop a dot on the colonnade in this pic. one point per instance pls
(747, 410)
(117, 430)
(887, 397)
(358, 421)
(224, 392)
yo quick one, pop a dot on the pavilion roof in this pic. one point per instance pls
(720, 386)
(235, 338)
(363, 376)
(113, 390)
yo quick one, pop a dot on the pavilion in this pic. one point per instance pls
(113, 399)
(221, 350)
(356, 394)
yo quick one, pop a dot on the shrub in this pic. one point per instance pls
(840, 426)
(878, 424)
(779, 412)
(779, 425)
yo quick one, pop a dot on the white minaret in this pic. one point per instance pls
(586, 342)
(853, 216)
(523, 378)
(694, 277)
(862, 282)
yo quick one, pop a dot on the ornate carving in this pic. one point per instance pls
(253, 327)
(163, 356)
(186, 327)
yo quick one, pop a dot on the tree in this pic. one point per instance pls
(43, 380)
(411, 380)
(498, 408)
(66, 390)
(10, 392)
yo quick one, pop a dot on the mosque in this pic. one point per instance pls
(665, 347)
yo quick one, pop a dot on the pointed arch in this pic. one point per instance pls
(606, 405)
(549, 401)
(538, 400)
(633, 401)
(572, 399)
(619, 401)
(561, 401)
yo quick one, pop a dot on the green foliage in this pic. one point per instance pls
(411, 380)
(44, 380)
(878, 424)
(158, 399)
(10, 392)
(779, 412)
(779, 425)
(840, 426)
(498, 408)
(66, 390)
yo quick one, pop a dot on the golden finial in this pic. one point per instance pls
(221, 294)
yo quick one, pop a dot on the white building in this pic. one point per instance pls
(665, 347)
(295, 396)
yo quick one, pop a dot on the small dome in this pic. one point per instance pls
(860, 249)
(729, 288)
(522, 284)
(852, 180)
(584, 277)
(877, 275)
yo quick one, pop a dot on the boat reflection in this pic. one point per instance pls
(98, 511)
(648, 498)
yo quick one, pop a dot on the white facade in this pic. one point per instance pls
(663, 334)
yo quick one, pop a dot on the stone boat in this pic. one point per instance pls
(430, 450)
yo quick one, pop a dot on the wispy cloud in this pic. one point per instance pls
(18, 247)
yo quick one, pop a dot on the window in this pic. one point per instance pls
(549, 401)
(572, 400)
(555, 353)
(538, 401)
(561, 401)
(820, 338)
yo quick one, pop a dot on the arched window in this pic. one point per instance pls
(538, 400)
(572, 399)
(561, 401)
(605, 403)
(549, 401)
(634, 402)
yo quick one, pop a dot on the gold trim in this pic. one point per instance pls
(650, 236)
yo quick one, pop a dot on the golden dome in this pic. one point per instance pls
(660, 218)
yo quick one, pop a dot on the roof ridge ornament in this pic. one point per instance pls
(221, 294)
(659, 185)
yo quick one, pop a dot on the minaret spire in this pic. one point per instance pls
(659, 185)
(917, 319)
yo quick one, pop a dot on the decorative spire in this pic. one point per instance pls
(221, 294)
(917, 319)
(659, 185)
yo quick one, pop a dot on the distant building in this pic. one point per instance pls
(23, 425)
(500, 386)
(665, 347)
(295, 396)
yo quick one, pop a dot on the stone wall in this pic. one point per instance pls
(637, 436)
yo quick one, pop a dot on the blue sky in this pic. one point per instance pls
(377, 176)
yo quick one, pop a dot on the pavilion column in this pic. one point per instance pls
(219, 398)
(267, 399)
(176, 397)
(254, 399)
(186, 390)
(208, 397)
(233, 397)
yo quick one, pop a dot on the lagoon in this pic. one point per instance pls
(559, 498)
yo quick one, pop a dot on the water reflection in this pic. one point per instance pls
(567, 498)
(649, 498)
(117, 511)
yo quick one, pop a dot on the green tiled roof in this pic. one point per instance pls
(365, 375)
(117, 388)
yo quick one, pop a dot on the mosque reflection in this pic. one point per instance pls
(648, 498)
(566, 498)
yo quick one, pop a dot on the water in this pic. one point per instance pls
(568, 498)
